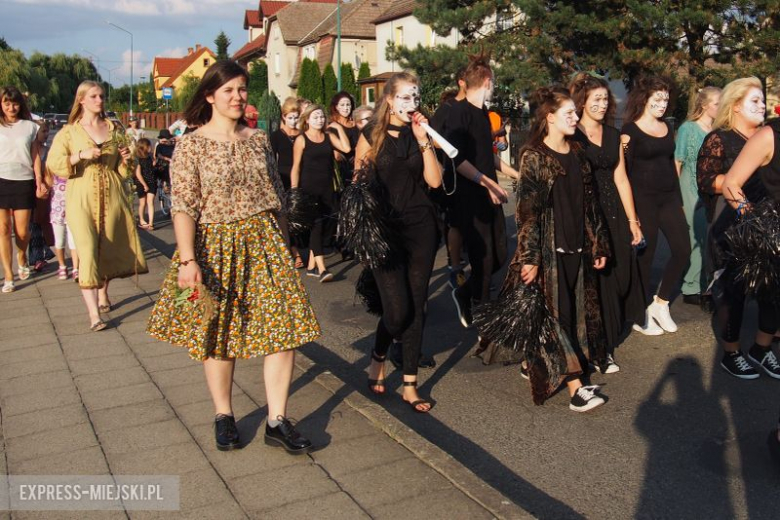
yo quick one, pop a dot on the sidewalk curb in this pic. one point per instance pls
(438, 459)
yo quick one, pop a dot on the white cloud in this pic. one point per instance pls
(176, 52)
(142, 7)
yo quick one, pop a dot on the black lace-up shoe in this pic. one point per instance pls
(285, 435)
(226, 433)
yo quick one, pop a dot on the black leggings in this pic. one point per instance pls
(325, 226)
(662, 211)
(732, 309)
(404, 292)
(480, 233)
(568, 267)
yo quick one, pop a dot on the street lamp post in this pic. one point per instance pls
(131, 61)
(109, 81)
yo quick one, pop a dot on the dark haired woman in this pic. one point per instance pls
(313, 172)
(340, 113)
(740, 115)
(92, 154)
(226, 203)
(403, 162)
(620, 288)
(760, 157)
(20, 179)
(648, 144)
(561, 242)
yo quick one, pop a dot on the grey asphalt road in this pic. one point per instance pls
(678, 438)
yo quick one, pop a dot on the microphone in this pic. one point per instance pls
(445, 145)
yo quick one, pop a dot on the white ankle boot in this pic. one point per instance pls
(650, 327)
(659, 311)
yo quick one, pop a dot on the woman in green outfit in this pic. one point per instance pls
(689, 139)
(227, 215)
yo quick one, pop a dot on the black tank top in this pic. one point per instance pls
(317, 166)
(770, 174)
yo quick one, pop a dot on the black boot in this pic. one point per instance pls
(285, 435)
(226, 433)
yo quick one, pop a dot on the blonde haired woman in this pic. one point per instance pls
(689, 139)
(740, 115)
(92, 154)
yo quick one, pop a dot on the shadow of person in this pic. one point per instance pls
(684, 427)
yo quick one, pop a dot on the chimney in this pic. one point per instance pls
(197, 47)
(189, 51)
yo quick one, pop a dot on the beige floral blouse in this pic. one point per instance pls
(224, 181)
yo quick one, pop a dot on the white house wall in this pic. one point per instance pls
(414, 33)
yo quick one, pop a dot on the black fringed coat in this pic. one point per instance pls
(536, 246)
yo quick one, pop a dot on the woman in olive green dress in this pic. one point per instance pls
(92, 154)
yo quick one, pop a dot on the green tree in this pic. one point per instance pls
(348, 82)
(147, 98)
(365, 71)
(222, 43)
(183, 95)
(258, 81)
(436, 67)
(329, 83)
(269, 110)
(309, 81)
(120, 99)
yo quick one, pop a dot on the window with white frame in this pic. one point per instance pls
(277, 64)
(308, 52)
(504, 20)
(399, 36)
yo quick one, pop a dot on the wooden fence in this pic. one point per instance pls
(151, 119)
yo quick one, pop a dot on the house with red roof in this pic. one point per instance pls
(169, 72)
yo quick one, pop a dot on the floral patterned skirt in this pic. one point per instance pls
(262, 306)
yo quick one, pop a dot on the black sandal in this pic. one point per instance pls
(418, 402)
(373, 383)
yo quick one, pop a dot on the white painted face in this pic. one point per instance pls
(489, 88)
(752, 106)
(344, 107)
(406, 101)
(597, 104)
(658, 103)
(316, 120)
(564, 119)
(291, 119)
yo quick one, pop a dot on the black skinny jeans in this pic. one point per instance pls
(404, 292)
(732, 309)
(325, 226)
(662, 211)
(568, 270)
(479, 236)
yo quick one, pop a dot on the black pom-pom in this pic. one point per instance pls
(753, 250)
(367, 228)
(302, 211)
(368, 292)
(521, 321)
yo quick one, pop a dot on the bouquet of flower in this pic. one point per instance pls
(199, 298)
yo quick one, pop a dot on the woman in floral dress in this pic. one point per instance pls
(226, 209)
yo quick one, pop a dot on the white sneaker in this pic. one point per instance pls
(659, 311)
(609, 367)
(650, 328)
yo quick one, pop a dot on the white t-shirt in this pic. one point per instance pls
(15, 144)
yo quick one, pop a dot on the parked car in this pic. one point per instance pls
(49, 118)
(59, 120)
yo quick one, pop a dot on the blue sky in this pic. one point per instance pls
(159, 27)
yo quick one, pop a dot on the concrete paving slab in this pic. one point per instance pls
(34, 382)
(197, 414)
(263, 491)
(175, 359)
(122, 417)
(168, 460)
(148, 346)
(144, 437)
(104, 337)
(337, 506)
(115, 379)
(188, 394)
(32, 354)
(31, 339)
(81, 367)
(193, 486)
(24, 369)
(440, 505)
(345, 457)
(187, 375)
(97, 350)
(110, 398)
(86, 461)
(220, 511)
(70, 515)
(51, 442)
(30, 316)
(36, 421)
(40, 400)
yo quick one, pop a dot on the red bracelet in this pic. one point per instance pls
(186, 262)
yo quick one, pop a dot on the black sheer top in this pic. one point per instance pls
(716, 156)
(282, 145)
(399, 169)
(650, 160)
